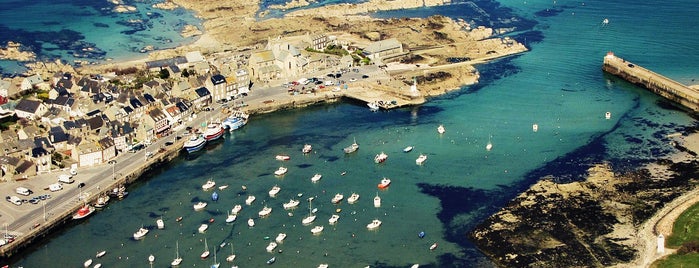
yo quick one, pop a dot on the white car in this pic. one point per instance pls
(353, 79)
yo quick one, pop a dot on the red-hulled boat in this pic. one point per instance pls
(83, 212)
(385, 182)
(213, 131)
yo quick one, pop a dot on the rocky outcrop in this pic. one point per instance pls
(13, 51)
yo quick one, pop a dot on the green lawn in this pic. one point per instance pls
(686, 228)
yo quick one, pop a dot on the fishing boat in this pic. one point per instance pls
(272, 260)
(373, 224)
(265, 211)
(385, 182)
(352, 148)
(280, 237)
(337, 198)
(203, 227)
(214, 196)
(195, 143)
(151, 258)
(235, 121)
(236, 209)
(199, 206)
(208, 185)
(231, 257)
(206, 252)
(333, 219)
(316, 177)
(307, 148)
(83, 212)
(317, 230)
(274, 191)
(140, 234)
(291, 204)
(251, 222)
(250, 199)
(311, 217)
(441, 129)
(377, 201)
(420, 159)
(177, 260)
(280, 171)
(213, 131)
(282, 157)
(101, 254)
(271, 246)
(433, 246)
(380, 158)
(87, 263)
(160, 223)
(407, 149)
(353, 198)
(102, 201)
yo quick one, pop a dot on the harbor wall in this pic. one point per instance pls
(684, 96)
(125, 177)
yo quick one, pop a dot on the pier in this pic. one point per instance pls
(672, 90)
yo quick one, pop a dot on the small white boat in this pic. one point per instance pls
(250, 199)
(323, 265)
(307, 148)
(291, 204)
(271, 246)
(441, 129)
(208, 185)
(280, 171)
(608, 115)
(352, 148)
(377, 201)
(415, 265)
(333, 219)
(160, 223)
(353, 198)
(317, 230)
(206, 252)
(535, 127)
(151, 258)
(199, 206)
(282, 157)
(140, 234)
(408, 149)
(433, 246)
(87, 263)
(316, 177)
(420, 159)
(274, 191)
(231, 218)
(251, 222)
(380, 158)
(280, 237)
(177, 260)
(236, 209)
(373, 224)
(373, 106)
(100, 254)
(231, 257)
(223, 187)
(203, 227)
(337, 198)
(99, 265)
(311, 217)
(385, 182)
(265, 211)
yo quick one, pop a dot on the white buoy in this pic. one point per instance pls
(661, 244)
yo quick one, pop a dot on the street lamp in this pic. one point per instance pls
(113, 163)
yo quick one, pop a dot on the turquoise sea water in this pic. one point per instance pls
(558, 85)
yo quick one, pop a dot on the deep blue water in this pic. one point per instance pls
(558, 85)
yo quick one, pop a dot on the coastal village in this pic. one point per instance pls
(62, 116)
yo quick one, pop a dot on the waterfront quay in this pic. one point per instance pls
(672, 90)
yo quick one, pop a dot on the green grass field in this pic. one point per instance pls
(685, 229)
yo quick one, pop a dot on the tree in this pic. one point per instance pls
(164, 74)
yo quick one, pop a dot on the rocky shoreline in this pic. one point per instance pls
(591, 223)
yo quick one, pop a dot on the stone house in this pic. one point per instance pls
(30, 109)
(383, 49)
